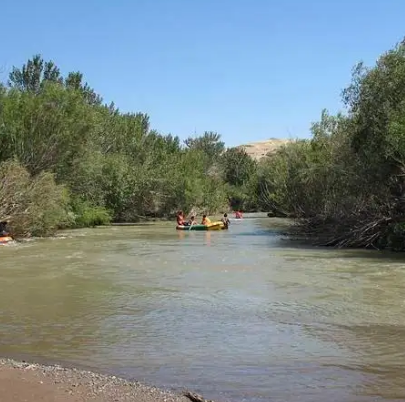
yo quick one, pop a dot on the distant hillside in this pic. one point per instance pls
(259, 149)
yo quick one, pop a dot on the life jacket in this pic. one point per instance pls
(206, 221)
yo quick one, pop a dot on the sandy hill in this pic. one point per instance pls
(259, 149)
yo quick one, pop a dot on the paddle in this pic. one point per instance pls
(192, 213)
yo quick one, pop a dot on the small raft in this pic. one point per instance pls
(218, 225)
(5, 239)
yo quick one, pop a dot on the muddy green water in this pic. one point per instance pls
(240, 315)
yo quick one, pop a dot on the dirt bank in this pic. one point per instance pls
(25, 382)
(259, 149)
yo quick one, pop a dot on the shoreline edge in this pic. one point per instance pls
(22, 381)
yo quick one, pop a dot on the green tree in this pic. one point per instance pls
(238, 166)
(45, 131)
(74, 80)
(110, 165)
(210, 143)
(34, 74)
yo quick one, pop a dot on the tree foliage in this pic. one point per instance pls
(33, 75)
(346, 184)
(57, 134)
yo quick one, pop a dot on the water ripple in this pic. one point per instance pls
(238, 314)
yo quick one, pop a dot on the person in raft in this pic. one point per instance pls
(238, 215)
(192, 221)
(205, 221)
(3, 229)
(226, 220)
(180, 219)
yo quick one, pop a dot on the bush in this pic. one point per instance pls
(34, 206)
(86, 215)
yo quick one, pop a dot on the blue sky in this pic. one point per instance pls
(250, 70)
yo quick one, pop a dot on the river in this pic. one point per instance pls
(240, 315)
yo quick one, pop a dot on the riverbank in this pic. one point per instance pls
(22, 381)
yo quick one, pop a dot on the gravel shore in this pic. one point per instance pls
(26, 382)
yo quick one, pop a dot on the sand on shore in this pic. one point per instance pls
(26, 382)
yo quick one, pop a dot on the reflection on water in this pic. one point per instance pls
(240, 314)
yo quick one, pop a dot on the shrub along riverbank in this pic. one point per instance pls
(346, 185)
(69, 160)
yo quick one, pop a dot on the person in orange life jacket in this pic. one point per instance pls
(205, 220)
